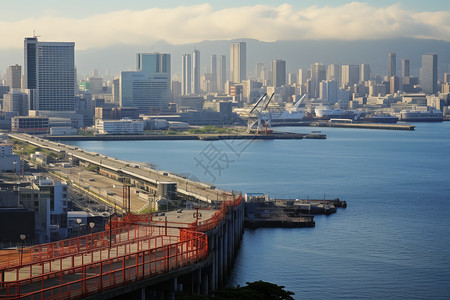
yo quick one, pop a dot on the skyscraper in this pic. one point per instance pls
(15, 77)
(365, 72)
(238, 62)
(213, 73)
(394, 84)
(392, 65)
(328, 91)
(278, 73)
(334, 73)
(350, 75)
(260, 72)
(317, 75)
(292, 78)
(302, 77)
(196, 72)
(49, 74)
(405, 67)
(147, 88)
(186, 75)
(221, 73)
(429, 73)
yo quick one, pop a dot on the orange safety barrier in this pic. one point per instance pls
(131, 248)
(71, 246)
(94, 277)
(202, 226)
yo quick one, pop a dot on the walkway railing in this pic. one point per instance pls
(94, 277)
(127, 251)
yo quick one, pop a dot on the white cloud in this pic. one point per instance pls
(187, 24)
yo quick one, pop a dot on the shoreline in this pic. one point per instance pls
(195, 137)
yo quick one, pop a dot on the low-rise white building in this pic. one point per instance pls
(63, 131)
(123, 126)
(9, 162)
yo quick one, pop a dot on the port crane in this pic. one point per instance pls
(296, 105)
(257, 114)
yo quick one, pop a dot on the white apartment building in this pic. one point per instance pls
(119, 126)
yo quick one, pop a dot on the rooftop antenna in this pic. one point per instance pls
(34, 34)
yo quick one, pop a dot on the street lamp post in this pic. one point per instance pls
(79, 226)
(22, 237)
(92, 224)
(110, 229)
(79, 232)
(21, 162)
(15, 170)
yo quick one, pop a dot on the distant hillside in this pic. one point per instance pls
(297, 53)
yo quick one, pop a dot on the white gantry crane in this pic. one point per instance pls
(258, 114)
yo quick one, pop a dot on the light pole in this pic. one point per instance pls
(21, 162)
(15, 170)
(110, 229)
(92, 224)
(79, 226)
(22, 237)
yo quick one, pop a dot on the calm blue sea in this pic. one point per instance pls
(393, 240)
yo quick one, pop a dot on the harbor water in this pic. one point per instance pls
(393, 239)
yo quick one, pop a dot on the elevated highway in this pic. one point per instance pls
(138, 172)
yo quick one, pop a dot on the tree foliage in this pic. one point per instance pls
(258, 290)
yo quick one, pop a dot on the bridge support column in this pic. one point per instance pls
(143, 294)
(204, 283)
(197, 282)
(220, 255)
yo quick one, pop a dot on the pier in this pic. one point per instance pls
(318, 123)
(261, 211)
(195, 137)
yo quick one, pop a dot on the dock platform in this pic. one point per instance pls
(201, 137)
(310, 206)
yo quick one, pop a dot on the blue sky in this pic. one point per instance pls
(102, 23)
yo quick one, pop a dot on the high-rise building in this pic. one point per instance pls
(214, 73)
(302, 77)
(429, 73)
(405, 67)
(392, 65)
(147, 88)
(176, 90)
(350, 75)
(238, 62)
(394, 84)
(260, 72)
(221, 73)
(49, 74)
(278, 73)
(15, 77)
(446, 77)
(292, 78)
(334, 73)
(16, 101)
(116, 90)
(328, 91)
(365, 72)
(317, 75)
(196, 72)
(186, 75)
